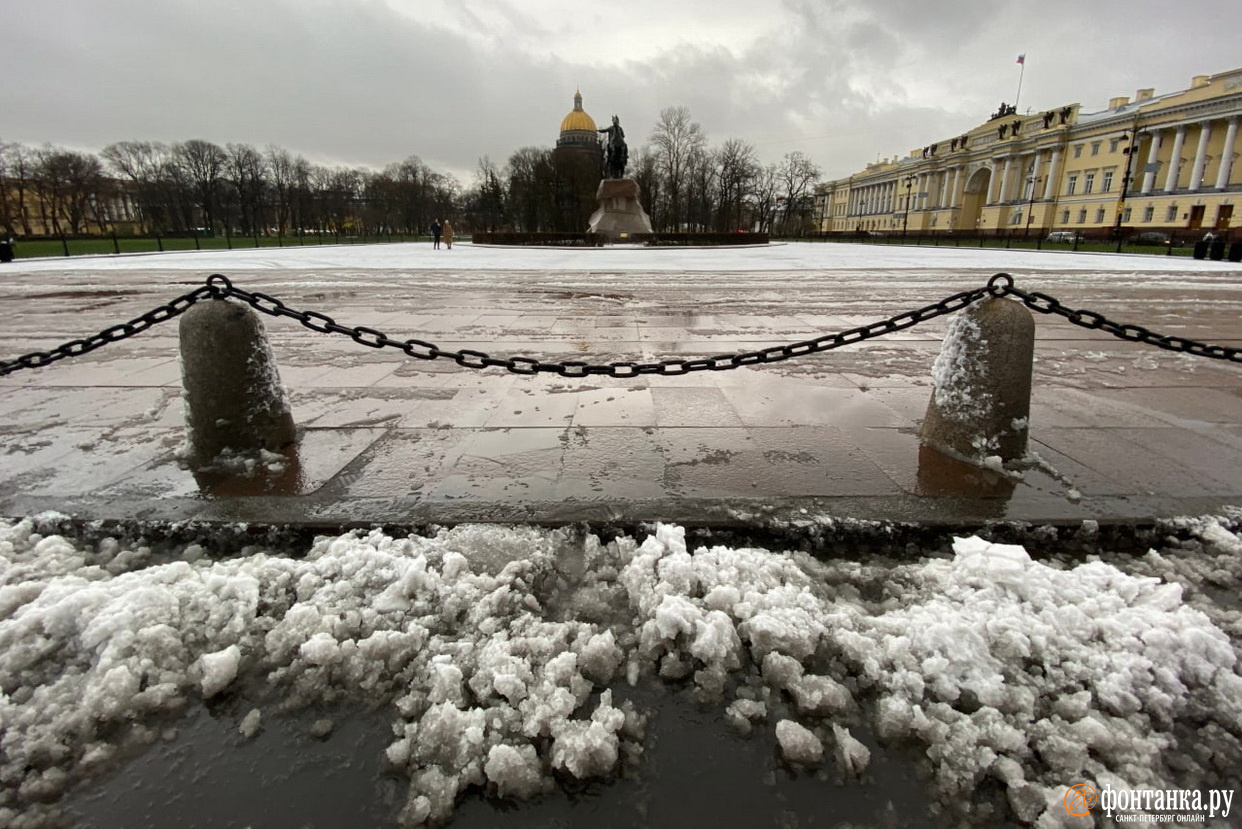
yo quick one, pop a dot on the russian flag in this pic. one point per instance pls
(1022, 59)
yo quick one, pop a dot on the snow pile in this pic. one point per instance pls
(1038, 677)
(498, 650)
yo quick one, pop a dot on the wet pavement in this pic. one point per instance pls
(1120, 431)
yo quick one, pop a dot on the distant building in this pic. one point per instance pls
(579, 161)
(1062, 169)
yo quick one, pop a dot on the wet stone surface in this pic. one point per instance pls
(1122, 429)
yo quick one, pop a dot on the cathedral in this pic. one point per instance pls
(579, 160)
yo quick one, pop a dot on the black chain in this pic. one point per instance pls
(470, 358)
(1000, 285)
(114, 334)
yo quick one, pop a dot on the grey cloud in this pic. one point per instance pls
(362, 83)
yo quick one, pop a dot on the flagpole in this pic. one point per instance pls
(1021, 73)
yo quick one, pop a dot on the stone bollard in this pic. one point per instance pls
(233, 396)
(981, 403)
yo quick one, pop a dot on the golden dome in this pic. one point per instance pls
(578, 119)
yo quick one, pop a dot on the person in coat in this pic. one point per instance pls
(447, 230)
(436, 230)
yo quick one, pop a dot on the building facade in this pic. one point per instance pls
(1155, 163)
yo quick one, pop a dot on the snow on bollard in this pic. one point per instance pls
(233, 396)
(981, 402)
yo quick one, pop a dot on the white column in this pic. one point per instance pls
(1175, 160)
(1196, 172)
(1006, 179)
(1153, 155)
(953, 188)
(993, 184)
(1226, 156)
(1036, 158)
(944, 189)
(1054, 170)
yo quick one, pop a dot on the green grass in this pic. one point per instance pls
(43, 248)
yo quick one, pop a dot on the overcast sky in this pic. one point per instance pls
(371, 82)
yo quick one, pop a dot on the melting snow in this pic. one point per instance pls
(495, 650)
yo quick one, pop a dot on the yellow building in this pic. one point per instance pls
(1062, 169)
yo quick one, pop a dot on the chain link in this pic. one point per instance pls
(470, 358)
(1000, 285)
(113, 334)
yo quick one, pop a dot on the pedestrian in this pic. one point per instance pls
(436, 230)
(448, 234)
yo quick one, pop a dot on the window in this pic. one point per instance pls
(1107, 183)
(1078, 151)
(1016, 218)
(1125, 215)
(1112, 145)
(1095, 147)
(1082, 216)
(1064, 217)
(1072, 187)
(1089, 184)
(1171, 215)
(1099, 216)
(1149, 213)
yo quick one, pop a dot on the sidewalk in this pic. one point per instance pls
(1120, 432)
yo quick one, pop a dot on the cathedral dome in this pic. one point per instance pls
(578, 127)
(578, 119)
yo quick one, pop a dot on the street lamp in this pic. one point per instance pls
(905, 218)
(1132, 137)
(1033, 181)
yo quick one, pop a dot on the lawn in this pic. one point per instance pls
(96, 246)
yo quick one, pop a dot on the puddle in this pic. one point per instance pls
(695, 770)
(210, 776)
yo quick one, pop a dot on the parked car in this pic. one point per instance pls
(1066, 236)
(1150, 237)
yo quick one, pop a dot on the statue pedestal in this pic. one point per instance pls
(619, 213)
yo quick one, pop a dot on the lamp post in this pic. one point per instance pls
(1033, 181)
(905, 218)
(1132, 137)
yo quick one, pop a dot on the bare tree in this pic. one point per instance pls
(17, 173)
(644, 170)
(144, 164)
(413, 194)
(736, 171)
(764, 199)
(283, 172)
(246, 175)
(69, 183)
(533, 185)
(676, 142)
(798, 175)
(486, 199)
(202, 165)
(8, 210)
